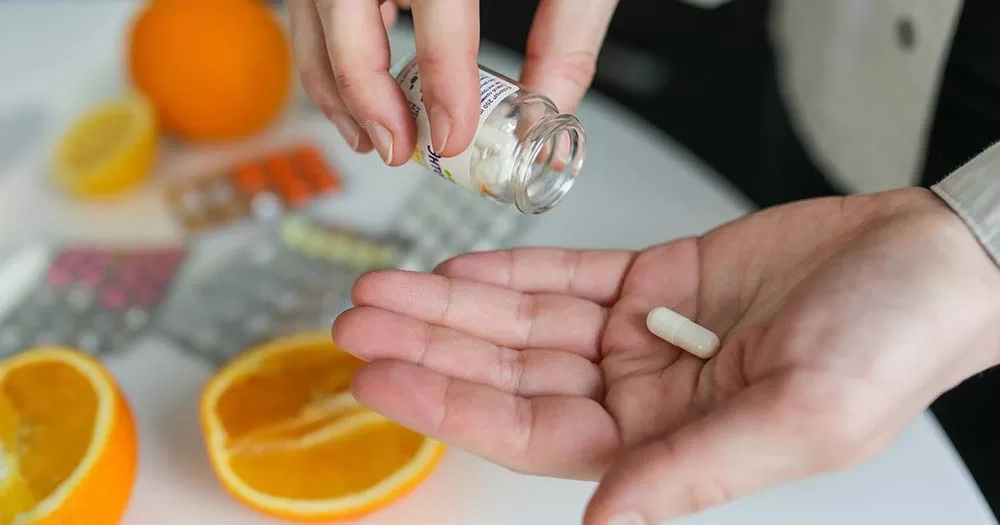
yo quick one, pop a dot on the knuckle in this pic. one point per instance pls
(447, 301)
(573, 260)
(353, 86)
(510, 367)
(577, 67)
(593, 387)
(349, 84)
(436, 62)
(522, 422)
(513, 452)
(432, 334)
(527, 310)
(439, 68)
(514, 261)
(446, 423)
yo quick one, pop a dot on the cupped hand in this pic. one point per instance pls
(342, 54)
(841, 319)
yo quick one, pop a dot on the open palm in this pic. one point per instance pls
(830, 317)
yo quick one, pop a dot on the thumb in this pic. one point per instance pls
(769, 434)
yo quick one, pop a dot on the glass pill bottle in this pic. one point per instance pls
(524, 152)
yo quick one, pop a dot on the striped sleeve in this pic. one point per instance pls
(973, 192)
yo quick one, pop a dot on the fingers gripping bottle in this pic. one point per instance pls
(524, 152)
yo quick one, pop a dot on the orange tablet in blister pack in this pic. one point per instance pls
(315, 169)
(288, 182)
(287, 179)
(249, 179)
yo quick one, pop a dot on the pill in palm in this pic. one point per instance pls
(682, 332)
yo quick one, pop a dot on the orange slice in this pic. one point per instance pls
(109, 149)
(286, 437)
(68, 440)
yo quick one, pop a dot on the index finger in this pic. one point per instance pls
(594, 275)
(502, 316)
(359, 52)
(447, 40)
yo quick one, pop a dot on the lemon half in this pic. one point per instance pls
(109, 149)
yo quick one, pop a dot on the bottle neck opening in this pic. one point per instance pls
(547, 162)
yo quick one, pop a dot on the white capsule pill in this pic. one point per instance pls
(682, 332)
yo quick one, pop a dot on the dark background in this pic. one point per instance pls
(707, 78)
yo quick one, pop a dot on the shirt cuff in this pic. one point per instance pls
(973, 192)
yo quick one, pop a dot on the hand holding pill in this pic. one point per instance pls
(791, 342)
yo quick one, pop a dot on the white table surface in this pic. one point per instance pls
(638, 188)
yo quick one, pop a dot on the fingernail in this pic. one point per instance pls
(628, 518)
(440, 127)
(349, 130)
(381, 138)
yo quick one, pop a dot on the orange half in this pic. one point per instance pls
(286, 437)
(68, 441)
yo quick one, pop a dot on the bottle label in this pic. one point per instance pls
(492, 91)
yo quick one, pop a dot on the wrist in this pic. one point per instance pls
(965, 270)
(974, 270)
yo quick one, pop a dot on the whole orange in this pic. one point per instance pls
(213, 69)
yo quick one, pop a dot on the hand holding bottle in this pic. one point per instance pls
(342, 54)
